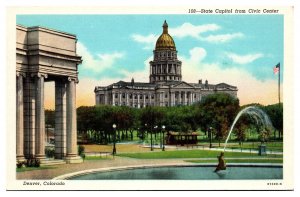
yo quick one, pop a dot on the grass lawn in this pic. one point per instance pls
(23, 169)
(189, 154)
(248, 160)
(121, 148)
(94, 158)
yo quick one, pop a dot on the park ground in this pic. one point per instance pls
(99, 156)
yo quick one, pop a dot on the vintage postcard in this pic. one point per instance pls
(163, 98)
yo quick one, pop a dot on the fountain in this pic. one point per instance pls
(257, 114)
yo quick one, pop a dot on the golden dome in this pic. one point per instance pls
(165, 41)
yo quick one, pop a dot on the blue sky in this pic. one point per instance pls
(116, 47)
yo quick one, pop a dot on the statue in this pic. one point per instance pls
(222, 164)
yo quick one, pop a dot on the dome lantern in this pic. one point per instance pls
(165, 41)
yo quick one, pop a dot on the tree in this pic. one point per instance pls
(50, 118)
(152, 116)
(217, 111)
(275, 112)
(86, 121)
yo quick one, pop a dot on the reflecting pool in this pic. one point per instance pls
(186, 173)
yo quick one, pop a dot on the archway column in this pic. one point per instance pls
(19, 118)
(72, 156)
(60, 119)
(40, 117)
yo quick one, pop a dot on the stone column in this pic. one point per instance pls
(138, 100)
(40, 117)
(113, 99)
(144, 97)
(29, 117)
(126, 95)
(71, 123)
(172, 98)
(60, 119)
(20, 118)
(180, 97)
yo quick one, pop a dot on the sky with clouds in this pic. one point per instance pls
(240, 50)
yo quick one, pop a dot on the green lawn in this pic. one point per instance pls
(239, 161)
(23, 169)
(91, 158)
(188, 154)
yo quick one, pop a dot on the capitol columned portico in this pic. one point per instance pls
(45, 55)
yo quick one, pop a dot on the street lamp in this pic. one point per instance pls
(210, 132)
(114, 149)
(163, 140)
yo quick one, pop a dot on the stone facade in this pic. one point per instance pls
(45, 55)
(165, 87)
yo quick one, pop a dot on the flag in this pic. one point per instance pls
(276, 69)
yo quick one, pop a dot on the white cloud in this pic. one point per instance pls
(149, 40)
(188, 29)
(197, 54)
(222, 38)
(98, 63)
(244, 59)
(250, 90)
(144, 39)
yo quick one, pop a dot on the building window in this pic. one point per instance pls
(194, 95)
(166, 95)
(135, 96)
(130, 96)
(123, 95)
(152, 96)
(141, 96)
(166, 104)
(116, 103)
(116, 95)
(124, 104)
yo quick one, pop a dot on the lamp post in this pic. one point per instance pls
(210, 131)
(163, 140)
(114, 149)
(155, 127)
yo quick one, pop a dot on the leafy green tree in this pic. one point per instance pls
(50, 118)
(217, 111)
(275, 112)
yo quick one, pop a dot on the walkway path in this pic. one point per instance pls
(92, 164)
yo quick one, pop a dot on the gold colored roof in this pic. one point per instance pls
(165, 41)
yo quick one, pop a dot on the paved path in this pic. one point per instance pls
(92, 164)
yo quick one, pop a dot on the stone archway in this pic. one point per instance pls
(46, 55)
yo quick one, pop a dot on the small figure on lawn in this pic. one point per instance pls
(222, 164)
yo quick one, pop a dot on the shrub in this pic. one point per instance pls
(32, 162)
(20, 164)
(37, 163)
(80, 149)
(50, 152)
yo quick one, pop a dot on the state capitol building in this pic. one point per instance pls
(165, 87)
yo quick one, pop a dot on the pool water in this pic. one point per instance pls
(186, 173)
